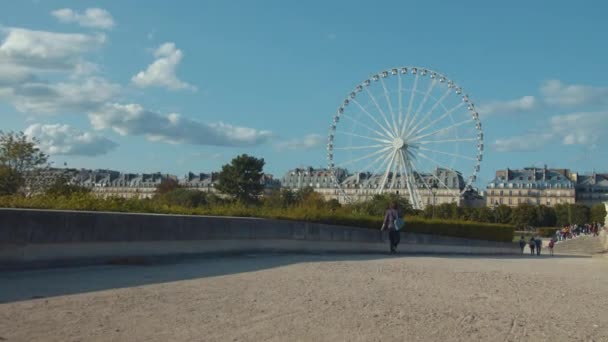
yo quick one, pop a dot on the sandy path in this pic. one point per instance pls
(314, 298)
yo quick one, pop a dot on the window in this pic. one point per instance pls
(510, 201)
(501, 200)
(519, 201)
(510, 193)
(500, 192)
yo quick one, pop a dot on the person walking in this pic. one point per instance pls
(522, 244)
(389, 223)
(539, 243)
(551, 245)
(532, 244)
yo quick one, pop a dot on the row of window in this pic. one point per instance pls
(512, 201)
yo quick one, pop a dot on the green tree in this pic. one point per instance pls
(62, 187)
(242, 178)
(18, 157)
(598, 213)
(166, 185)
(546, 216)
(485, 214)
(524, 216)
(502, 214)
(183, 197)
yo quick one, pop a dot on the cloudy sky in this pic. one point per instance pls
(176, 87)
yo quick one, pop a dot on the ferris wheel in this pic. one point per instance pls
(405, 128)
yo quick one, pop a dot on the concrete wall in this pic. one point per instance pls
(30, 236)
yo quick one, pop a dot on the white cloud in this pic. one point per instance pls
(63, 97)
(92, 17)
(558, 94)
(133, 119)
(307, 142)
(523, 104)
(59, 139)
(581, 128)
(161, 72)
(46, 51)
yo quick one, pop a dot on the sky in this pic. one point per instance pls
(188, 85)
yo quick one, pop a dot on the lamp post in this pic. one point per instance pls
(434, 192)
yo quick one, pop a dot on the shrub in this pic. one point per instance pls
(307, 211)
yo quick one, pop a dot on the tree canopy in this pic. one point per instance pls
(18, 156)
(242, 178)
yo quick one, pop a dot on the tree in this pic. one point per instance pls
(502, 214)
(18, 156)
(524, 216)
(166, 185)
(242, 178)
(598, 213)
(546, 216)
(62, 187)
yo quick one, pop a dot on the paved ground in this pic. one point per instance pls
(313, 298)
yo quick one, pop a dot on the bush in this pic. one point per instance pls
(546, 231)
(306, 211)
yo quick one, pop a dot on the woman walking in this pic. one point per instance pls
(389, 223)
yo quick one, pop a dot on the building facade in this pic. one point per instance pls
(532, 186)
(363, 186)
(591, 188)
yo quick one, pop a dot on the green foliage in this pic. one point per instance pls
(18, 155)
(167, 185)
(330, 213)
(571, 214)
(524, 215)
(182, 197)
(241, 178)
(598, 213)
(502, 214)
(379, 203)
(61, 187)
(546, 232)
(546, 216)
(10, 181)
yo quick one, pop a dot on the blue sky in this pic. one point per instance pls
(174, 87)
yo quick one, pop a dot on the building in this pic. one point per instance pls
(363, 186)
(532, 185)
(591, 188)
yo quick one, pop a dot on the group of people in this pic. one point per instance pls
(535, 244)
(571, 231)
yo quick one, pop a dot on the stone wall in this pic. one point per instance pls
(47, 236)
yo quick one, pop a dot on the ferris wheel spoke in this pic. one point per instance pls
(399, 118)
(417, 171)
(374, 162)
(430, 112)
(359, 147)
(390, 106)
(364, 137)
(395, 170)
(445, 141)
(442, 130)
(409, 106)
(444, 115)
(374, 173)
(383, 150)
(447, 153)
(384, 117)
(423, 102)
(411, 187)
(384, 128)
(388, 168)
(437, 164)
(363, 125)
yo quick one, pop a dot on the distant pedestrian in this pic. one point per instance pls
(522, 244)
(389, 223)
(539, 243)
(551, 245)
(532, 245)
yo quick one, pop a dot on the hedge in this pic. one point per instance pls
(461, 229)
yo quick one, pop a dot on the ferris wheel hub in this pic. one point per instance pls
(398, 143)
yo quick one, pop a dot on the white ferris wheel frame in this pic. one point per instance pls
(399, 138)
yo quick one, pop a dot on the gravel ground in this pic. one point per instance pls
(313, 298)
